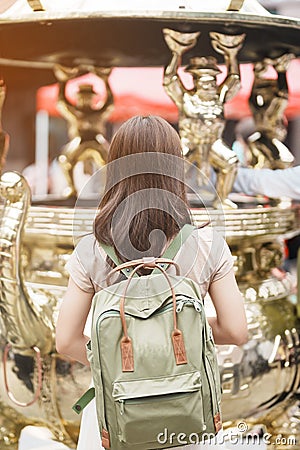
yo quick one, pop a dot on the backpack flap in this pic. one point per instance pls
(145, 295)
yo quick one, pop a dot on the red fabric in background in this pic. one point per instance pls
(140, 91)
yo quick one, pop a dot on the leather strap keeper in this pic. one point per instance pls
(217, 422)
(105, 438)
(179, 348)
(127, 355)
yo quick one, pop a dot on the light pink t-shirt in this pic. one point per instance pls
(204, 257)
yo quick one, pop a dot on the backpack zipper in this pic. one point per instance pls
(141, 400)
(121, 402)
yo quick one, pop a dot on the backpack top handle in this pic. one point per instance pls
(177, 337)
(146, 263)
(169, 253)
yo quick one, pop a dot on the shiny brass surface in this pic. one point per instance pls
(27, 322)
(85, 29)
(256, 378)
(201, 109)
(56, 229)
(266, 370)
(268, 100)
(28, 314)
(86, 123)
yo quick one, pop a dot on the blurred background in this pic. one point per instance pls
(33, 122)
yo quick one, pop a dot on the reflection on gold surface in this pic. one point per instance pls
(27, 320)
(235, 5)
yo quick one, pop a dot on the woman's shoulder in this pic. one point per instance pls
(88, 248)
(207, 241)
(90, 259)
(87, 241)
(207, 233)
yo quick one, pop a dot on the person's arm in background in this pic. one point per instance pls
(272, 183)
(230, 324)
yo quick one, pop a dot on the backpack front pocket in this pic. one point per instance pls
(159, 409)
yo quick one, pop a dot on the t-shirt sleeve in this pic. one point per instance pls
(272, 183)
(223, 260)
(77, 267)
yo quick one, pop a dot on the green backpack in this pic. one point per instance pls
(153, 358)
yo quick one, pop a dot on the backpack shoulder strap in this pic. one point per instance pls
(169, 253)
(110, 251)
(178, 241)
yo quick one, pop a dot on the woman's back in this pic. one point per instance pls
(143, 208)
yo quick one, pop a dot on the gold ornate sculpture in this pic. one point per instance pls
(4, 138)
(27, 323)
(268, 100)
(201, 109)
(86, 123)
(34, 375)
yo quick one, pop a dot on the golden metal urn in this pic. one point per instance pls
(37, 386)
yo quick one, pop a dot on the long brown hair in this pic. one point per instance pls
(144, 203)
